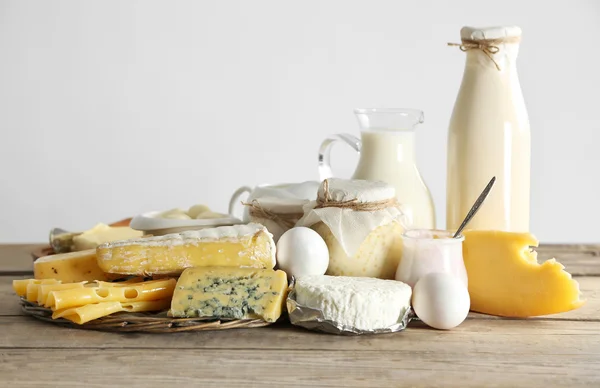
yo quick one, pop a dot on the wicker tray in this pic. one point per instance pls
(142, 322)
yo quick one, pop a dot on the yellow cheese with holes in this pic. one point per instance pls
(505, 278)
(70, 267)
(230, 293)
(20, 285)
(232, 246)
(83, 314)
(135, 292)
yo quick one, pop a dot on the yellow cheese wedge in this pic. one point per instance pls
(83, 314)
(231, 293)
(136, 292)
(232, 246)
(505, 278)
(20, 285)
(70, 267)
(102, 233)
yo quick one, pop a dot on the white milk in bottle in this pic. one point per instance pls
(489, 134)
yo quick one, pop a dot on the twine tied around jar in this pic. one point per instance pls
(488, 46)
(285, 220)
(354, 204)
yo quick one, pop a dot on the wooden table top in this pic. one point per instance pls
(558, 350)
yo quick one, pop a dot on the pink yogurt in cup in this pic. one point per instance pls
(429, 250)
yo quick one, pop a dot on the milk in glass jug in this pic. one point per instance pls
(387, 153)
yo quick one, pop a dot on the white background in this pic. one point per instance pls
(112, 108)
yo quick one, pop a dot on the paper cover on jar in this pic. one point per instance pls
(352, 209)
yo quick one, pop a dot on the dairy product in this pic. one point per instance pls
(70, 267)
(361, 223)
(427, 251)
(489, 136)
(230, 293)
(89, 312)
(60, 299)
(20, 285)
(377, 256)
(278, 215)
(389, 156)
(102, 233)
(361, 303)
(505, 278)
(236, 246)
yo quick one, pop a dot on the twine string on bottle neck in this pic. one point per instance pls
(488, 46)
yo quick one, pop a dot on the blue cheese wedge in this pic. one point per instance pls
(230, 293)
(356, 302)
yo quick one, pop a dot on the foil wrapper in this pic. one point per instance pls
(313, 319)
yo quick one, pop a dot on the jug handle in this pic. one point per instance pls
(325, 151)
(236, 197)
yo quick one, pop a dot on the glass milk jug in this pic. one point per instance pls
(489, 134)
(387, 153)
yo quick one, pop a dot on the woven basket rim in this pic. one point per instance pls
(142, 322)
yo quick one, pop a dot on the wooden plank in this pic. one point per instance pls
(570, 248)
(474, 335)
(579, 259)
(407, 366)
(9, 301)
(17, 258)
(590, 287)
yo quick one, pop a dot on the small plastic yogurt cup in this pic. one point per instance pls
(430, 250)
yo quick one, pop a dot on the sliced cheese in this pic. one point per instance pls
(20, 285)
(102, 233)
(70, 267)
(83, 314)
(230, 293)
(133, 292)
(506, 279)
(233, 246)
(45, 289)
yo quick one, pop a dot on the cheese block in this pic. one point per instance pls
(506, 279)
(70, 267)
(230, 293)
(355, 302)
(232, 246)
(102, 233)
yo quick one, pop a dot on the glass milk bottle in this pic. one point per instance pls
(387, 153)
(489, 134)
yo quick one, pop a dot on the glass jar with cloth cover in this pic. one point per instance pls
(362, 224)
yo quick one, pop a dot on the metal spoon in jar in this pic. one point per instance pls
(475, 207)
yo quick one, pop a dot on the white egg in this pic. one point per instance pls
(302, 251)
(441, 300)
